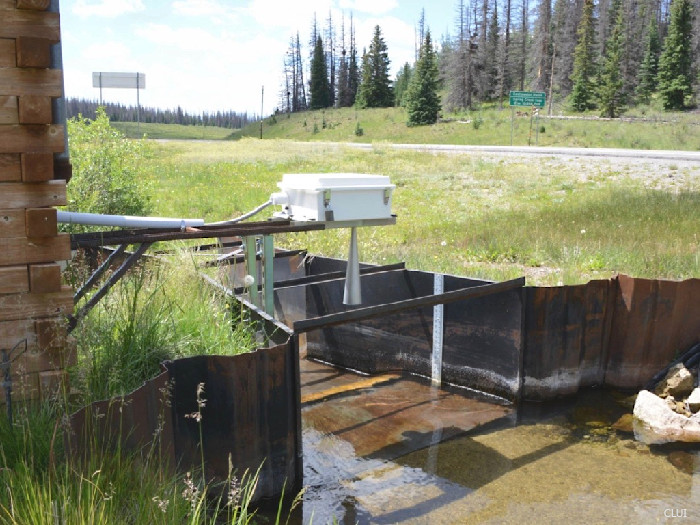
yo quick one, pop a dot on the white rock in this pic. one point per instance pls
(656, 423)
(694, 400)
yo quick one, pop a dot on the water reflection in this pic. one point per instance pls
(403, 452)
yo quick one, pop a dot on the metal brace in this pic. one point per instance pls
(387, 195)
(326, 198)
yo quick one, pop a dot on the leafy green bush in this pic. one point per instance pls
(106, 176)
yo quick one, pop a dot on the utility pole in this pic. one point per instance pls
(262, 99)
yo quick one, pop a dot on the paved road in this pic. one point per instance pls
(669, 155)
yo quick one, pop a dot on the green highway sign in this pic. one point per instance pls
(527, 98)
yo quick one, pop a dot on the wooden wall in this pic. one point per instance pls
(33, 302)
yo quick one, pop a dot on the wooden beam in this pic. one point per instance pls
(41, 222)
(33, 109)
(44, 278)
(28, 81)
(29, 251)
(33, 52)
(358, 314)
(8, 52)
(14, 279)
(17, 195)
(31, 137)
(7, 5)
(21, 22)
(36, 305)
(13, 332)
(37, 5)
(9, 111)
(10, 169)
(37, 167)
(12, 223)
(51, 334)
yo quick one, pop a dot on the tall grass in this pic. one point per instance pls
(162, 310)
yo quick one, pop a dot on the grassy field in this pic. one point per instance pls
(554, 221)
(171, 131)
(645, 129)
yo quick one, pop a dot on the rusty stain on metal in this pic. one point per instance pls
(250, 419)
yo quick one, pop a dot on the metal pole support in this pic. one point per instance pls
(438, 325)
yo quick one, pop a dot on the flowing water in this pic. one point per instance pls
(393, 449)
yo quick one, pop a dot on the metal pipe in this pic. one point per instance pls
(125, 221)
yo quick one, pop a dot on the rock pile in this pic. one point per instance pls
(672, 411)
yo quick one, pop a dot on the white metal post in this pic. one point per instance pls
(438, 312)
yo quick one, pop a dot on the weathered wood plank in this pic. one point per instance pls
(10, 168)
(36, 305)
(9, 111)
(28, 81)
(31, 137)
(41, 222)
(37, 5)
(37, 167)
(8, 52)
(33, 109)
(21, 250)
(17, 195)
(44, 278)
(14, 279)
(14, 332)
(33, 52)
(51, 333)
(21, 22)
(12, 223)
(24, 387)
(7, 5)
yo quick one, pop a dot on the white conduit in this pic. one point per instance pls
(125, 221)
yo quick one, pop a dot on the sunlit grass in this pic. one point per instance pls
(553, 220)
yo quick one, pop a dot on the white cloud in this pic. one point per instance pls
(287, 14)
(375, 7)
(199, 8)
(185, 38)
(107, 8)
(109, 51)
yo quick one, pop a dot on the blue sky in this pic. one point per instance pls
(208, 55)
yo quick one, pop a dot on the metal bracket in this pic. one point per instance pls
(387, 195)
(326, 198)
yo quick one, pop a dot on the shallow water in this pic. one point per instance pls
(398, 451)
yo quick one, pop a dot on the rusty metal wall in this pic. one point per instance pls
(481, 337)
(251, 417)
(616, 333)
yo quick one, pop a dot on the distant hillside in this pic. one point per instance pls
(646, 128)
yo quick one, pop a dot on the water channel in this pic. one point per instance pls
(392, 449)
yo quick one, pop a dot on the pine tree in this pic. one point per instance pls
(583, 76)
(422, 100)
(650, 63)
(318, 85)
(403, 79)
(610, 89)
(675, 83)
(375, 89)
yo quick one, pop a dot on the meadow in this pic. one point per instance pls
(556, 221)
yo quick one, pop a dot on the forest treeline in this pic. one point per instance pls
(587, 54)
(122, 113)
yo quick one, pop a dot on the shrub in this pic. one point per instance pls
(106, 176)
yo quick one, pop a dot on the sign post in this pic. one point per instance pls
(534, 99)
(122, 81)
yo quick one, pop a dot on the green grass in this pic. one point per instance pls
(554, 221)
(171, 131)
(658, 130)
